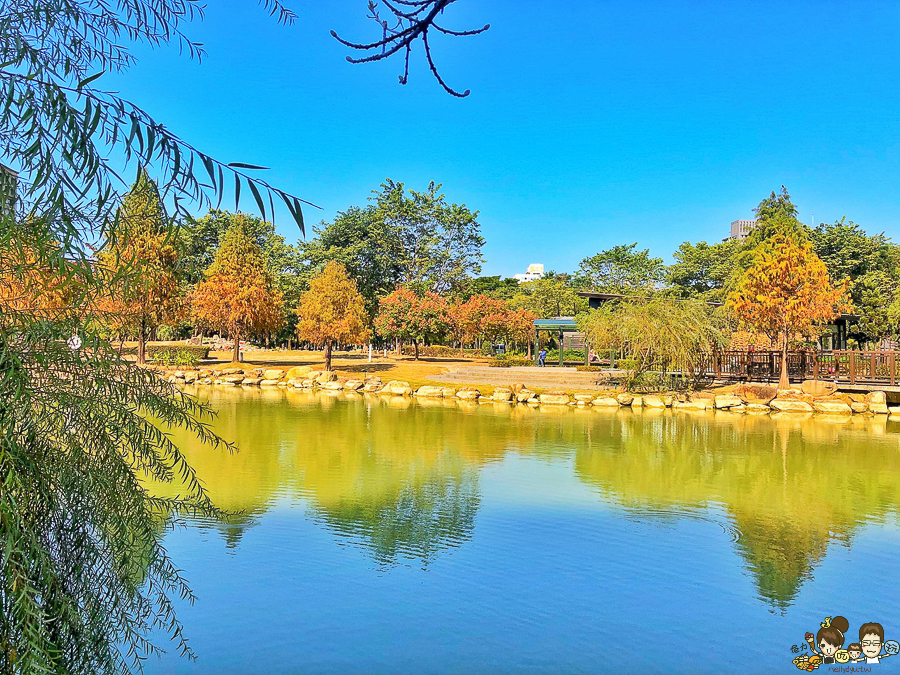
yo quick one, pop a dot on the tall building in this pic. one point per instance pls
(741, 228)
(535, 271)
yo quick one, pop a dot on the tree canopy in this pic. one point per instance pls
(332, 311)
(786, 292)
(238, 295)
(622, 269)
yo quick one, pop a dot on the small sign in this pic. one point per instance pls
(74, 343)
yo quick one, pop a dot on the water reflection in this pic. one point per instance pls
(791, 486)
(401, 478)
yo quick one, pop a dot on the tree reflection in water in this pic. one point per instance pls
(401, 477)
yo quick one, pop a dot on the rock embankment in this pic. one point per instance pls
(813, 396)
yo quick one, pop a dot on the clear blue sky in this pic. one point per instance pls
(590, 124)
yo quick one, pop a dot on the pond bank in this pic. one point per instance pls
(812, 397)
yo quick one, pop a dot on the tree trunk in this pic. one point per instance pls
(529, 350)
(236, 354)
(142, 346)
(328, 356)
(399, 345)
(784, 382)
(416, 348)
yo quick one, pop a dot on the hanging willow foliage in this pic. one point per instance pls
(84, 580)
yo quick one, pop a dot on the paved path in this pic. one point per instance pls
(532, 377)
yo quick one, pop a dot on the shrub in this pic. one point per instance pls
(180, 355)
(588, 369)
(627, 364)
(506, 362)
(438, 351)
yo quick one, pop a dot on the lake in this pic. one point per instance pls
(377, 535)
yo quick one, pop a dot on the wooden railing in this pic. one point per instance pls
(849, 366)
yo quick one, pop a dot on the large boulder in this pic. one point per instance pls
(606, 401)
(298, 371)
(758, 409)
(372, 387)
(327, 376)
(755, 393)
(448, 392)
(334, 385)
(232, 371)
(831, 407)
(503, 395)
(429, 391)
(251, 381)
(273, 374)
(637, 401)
(555, 398)
(269, 383)
(525, 395)
(468, 394)
(625, 398)
(859, 407)
(654, 402)
(353, 385)
(693, 404)
(790, 405)
(818, 388)
(397, 388)
(584, 398)
(894, 410)
(191, 376)
(876, 397)
(728, 401)
(233, 379)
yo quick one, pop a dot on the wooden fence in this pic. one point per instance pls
(848, 366)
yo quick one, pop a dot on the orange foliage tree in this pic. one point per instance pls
(332, 311)
(238, 296)
(466, 320)
(29, 284)
(148, 294)
(407, 316)
(491, 319)
(786, 292)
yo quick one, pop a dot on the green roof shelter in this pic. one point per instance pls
(557, 326)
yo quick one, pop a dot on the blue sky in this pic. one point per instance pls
(590, 124)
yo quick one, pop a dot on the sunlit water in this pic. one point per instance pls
(394, 536)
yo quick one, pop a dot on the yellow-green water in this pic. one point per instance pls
(389, 535)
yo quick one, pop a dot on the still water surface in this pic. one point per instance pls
(394, 536)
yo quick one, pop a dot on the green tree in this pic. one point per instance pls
(551, 296)
(622, 269)
(659, 333)
(872, 264)
(494, 287)
(776, 214)
(702, 270)
(439, 244)
(367, 246)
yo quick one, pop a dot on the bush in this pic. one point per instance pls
(509, 362)
(178, 355)
(627, 364)
(588, 369)
(436, 350)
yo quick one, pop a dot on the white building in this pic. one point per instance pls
(535, 272)
(741, 228)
